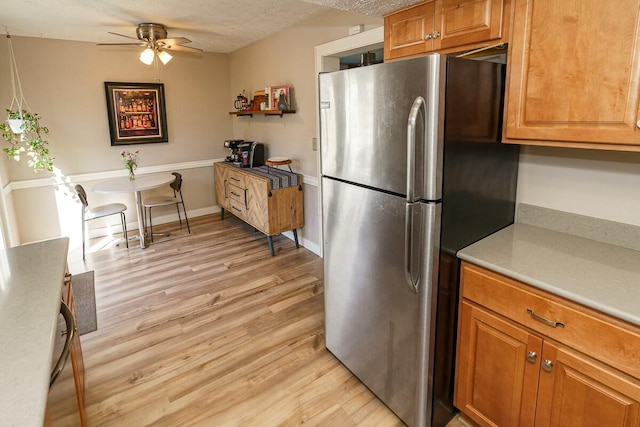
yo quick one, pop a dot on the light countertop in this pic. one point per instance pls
(31, 278)
(600, 275)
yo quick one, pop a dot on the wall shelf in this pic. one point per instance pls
(263, 112)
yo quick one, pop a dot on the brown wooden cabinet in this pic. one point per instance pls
(528, 358)
(442, 25)
(251, 197)
(77, 360)
(574, 74)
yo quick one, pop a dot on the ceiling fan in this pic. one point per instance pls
(154, 38)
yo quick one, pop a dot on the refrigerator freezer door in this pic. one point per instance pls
(375, 323)
(364, 114)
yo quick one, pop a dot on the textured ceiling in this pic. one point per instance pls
(213, 25)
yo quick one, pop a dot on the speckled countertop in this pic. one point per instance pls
(31, 279)
(601, 271)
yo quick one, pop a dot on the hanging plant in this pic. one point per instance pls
(29, 141)
(23, 131)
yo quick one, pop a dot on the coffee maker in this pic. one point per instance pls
(246, 154)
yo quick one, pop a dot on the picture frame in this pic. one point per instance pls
(280, 97)
(136, 112)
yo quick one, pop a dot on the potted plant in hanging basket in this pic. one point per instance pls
(15, 121)
(28, 140)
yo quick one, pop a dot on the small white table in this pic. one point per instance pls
(141, 183)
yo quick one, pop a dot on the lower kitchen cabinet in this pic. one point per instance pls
(269, 199)
(518, 364)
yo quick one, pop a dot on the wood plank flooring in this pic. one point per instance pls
(208, 329)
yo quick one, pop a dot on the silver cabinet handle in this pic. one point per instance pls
(547, 365)
(532, 356)
(544, 319)
(433, 35)
(71, 331)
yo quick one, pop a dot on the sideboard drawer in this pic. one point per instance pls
(237, 179)
(237, 194)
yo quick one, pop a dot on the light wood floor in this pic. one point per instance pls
(208, 329)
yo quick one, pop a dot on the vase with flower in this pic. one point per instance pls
(130, 161)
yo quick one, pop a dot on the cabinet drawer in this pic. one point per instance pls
(237, 179)
(238, 208)
(237, 194)
(610, 340)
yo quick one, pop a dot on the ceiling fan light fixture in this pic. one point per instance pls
(147, 56)
(164, 56)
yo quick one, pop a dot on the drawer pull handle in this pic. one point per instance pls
(547, 365)
(235, 194)
(236, 209)
(544, 319)
(532, 356)
(235, 179)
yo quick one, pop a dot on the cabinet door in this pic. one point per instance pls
(496, 384)
(464, 22)
(220, 178)
(257, 203)
(577, 391)
(405, 31)
(574, 73)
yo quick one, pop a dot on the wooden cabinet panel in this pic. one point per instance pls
(574, 73)
(465, 22)
(582, 392)
(498, 380)
(445, 25)
(221, 175)
(77, 360)
(257, 204)
(404, 31)
(619, 343)
(495, 384)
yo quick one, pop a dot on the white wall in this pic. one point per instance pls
(601, 184)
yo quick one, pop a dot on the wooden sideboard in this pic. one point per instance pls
(269, 199)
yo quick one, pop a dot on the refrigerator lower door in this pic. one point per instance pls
(376, 324)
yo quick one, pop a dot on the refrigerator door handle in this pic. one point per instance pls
(419, 107)
(408, 248)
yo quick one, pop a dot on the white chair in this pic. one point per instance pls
(102, 211)
(168, 200)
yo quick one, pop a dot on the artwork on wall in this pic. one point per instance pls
(137, 113)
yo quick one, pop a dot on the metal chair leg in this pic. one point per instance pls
(123, 219)
(185, 217)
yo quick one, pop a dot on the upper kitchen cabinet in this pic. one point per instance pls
(573, 74)
(445, 25)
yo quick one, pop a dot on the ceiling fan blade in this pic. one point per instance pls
(122, 35)
(183, 49)
(121, 44)
(174, 41)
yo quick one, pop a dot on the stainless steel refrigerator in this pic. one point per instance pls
(412, 171)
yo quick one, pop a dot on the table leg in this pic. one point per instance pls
(140, 212)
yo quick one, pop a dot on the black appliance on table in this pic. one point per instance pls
(246, 154)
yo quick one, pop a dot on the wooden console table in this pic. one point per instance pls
(269, 199)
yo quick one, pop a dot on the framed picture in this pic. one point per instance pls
(136, 112)
(280, 98)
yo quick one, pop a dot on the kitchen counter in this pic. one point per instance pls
(592, 271)
(31, 278)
